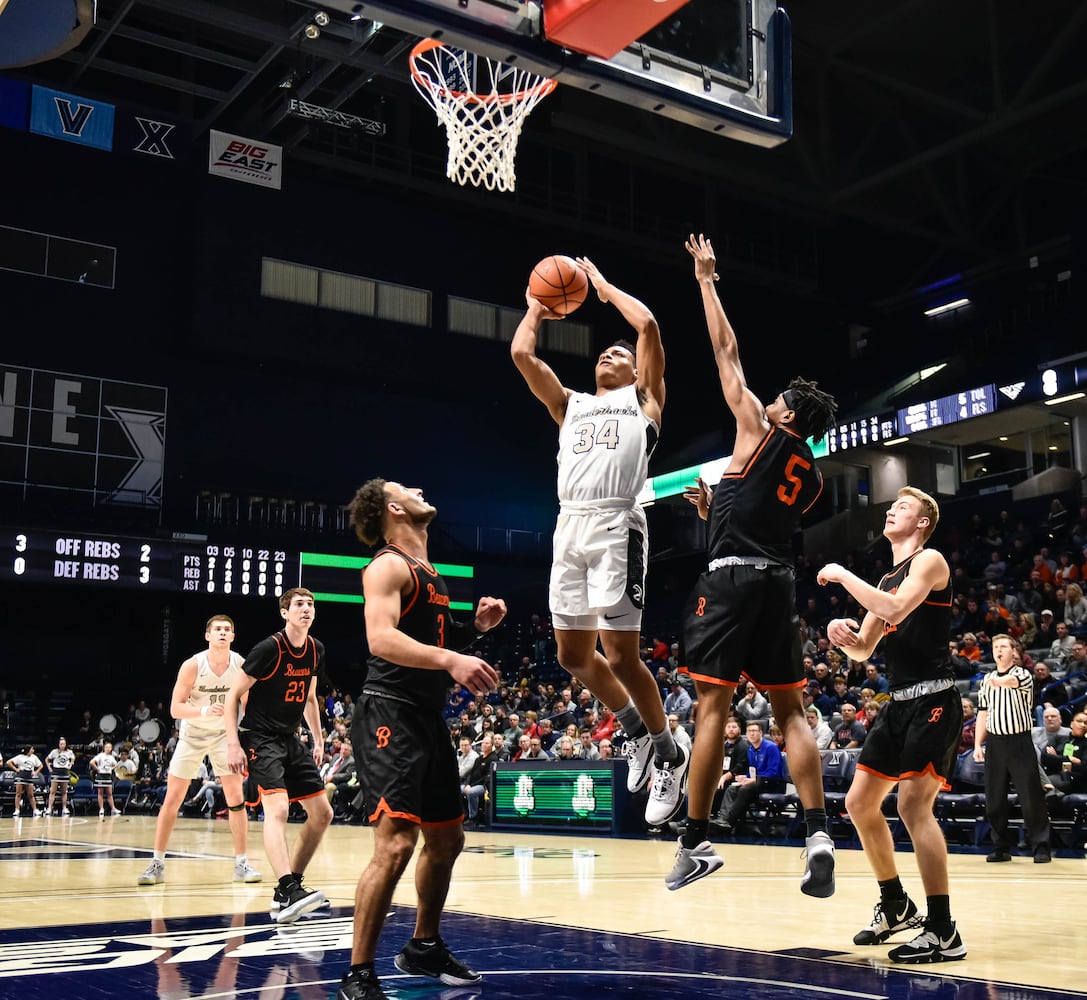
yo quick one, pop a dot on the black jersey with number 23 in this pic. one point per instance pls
(284, 677)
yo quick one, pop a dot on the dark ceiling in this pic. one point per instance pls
(931, 139)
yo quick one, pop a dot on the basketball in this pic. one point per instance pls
(558, 283)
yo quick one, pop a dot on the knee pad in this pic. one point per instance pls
(238, 808)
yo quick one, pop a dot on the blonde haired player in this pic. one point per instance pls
(199, 693)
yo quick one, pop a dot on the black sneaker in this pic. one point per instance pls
(930, 946)
(360, 986)
(888, 919)
(289, 904)
(436, 961)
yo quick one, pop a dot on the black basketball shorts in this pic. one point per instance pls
(915, 737)
(742, 619)
(279, 763)
(406, 762)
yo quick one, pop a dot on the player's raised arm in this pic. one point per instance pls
(749, 412)
(649, 349)
(539, 375)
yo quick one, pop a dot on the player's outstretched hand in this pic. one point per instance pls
(831, 573)
(699, 494)
(474, 674)
(600, 283)
(705, 262)
(489, 612)
(843, 631)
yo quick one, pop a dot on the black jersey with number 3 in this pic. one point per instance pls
(424, 615)
(756, 511)
(284, 677)
(916, 648)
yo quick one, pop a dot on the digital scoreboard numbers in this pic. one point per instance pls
(103, 561)
(947, 409)
(236, 570)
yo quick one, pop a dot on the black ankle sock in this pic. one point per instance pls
(815, 820)
(286, 881)
(939, 912)
(361, 969)
(892, 889)
(697, 831)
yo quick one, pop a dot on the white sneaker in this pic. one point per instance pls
(64, 812)
(101, 812)
(639, 755)
(245, 872)
(115, 812)
(692, 863)
(818, 877)
(669, 784)
(37, 813)
(154, 874)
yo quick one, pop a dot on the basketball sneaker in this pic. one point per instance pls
(289, 904)
(434, 959)
(360, 986)
(889, 917)
(64, 812)
(115, 812)
(639, 755)
(818, 877)
(930, 946)
(669, 784)
(692, 863)
(154, 873)
(245, 872)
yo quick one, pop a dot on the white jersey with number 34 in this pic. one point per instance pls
(604, 446)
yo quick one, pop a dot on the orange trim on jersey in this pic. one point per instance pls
(412, 562)
(929, 772)
(261, 792)
(383, 807)
(751, 461)
(791, 686)
(818, 493)
(312, 795)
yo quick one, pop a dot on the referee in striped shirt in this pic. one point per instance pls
(1003, 729)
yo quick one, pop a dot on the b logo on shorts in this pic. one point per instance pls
(935, 716)
(383, 734)
(701, 609)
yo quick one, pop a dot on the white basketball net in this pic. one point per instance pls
(482, 128)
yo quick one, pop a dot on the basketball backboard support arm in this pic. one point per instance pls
(511, 31)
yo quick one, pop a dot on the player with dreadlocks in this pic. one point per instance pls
(741, 615)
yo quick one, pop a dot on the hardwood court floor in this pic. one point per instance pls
(70, 885)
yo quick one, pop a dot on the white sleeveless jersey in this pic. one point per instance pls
(604, 446)
(209, 689)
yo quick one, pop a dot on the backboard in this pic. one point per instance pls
(720, 65)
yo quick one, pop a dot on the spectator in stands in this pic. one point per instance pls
(752, 706)
(1067, 570)
(466, 758)
(606, 727)
(565, 749)
(870, 713)
(585, 748)
(522, 747)
(776, 736)
(1028, 629)
(969, 647)
(851, 732)
(1075, 609)
(513, 729)
(340, 775)
(1047, 629)
(1067, 768)
(547, 736)
(1061, 647)
(820, 730)
(535, 750)
(874, 679)
(678, 702)
(501, 748)
(973, 618)
(969, 721)
(1040, 570)
(1058, 522)
(764, 759)
(841, 695)
(607, 751)
(995, 569)
(679, 732)
(474, 787)
(1077, 660)
(1050, 735)
(1049, 692)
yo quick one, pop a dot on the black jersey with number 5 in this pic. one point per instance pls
(424, 615)
(756, 511)
(284, 677)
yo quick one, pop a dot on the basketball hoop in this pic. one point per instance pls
(482, 128)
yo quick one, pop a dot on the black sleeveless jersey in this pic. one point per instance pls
(284, 677)
(757, 511)
(916, 648)
(424, 615)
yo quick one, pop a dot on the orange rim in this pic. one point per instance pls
(542, 89)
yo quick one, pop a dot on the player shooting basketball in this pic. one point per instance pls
(601, 545)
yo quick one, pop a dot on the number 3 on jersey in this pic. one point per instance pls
(587, 436)
(790, 489)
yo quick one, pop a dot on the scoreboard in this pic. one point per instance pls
(194, 564)
(113, 561)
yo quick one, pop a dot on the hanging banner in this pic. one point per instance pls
(243, 159)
